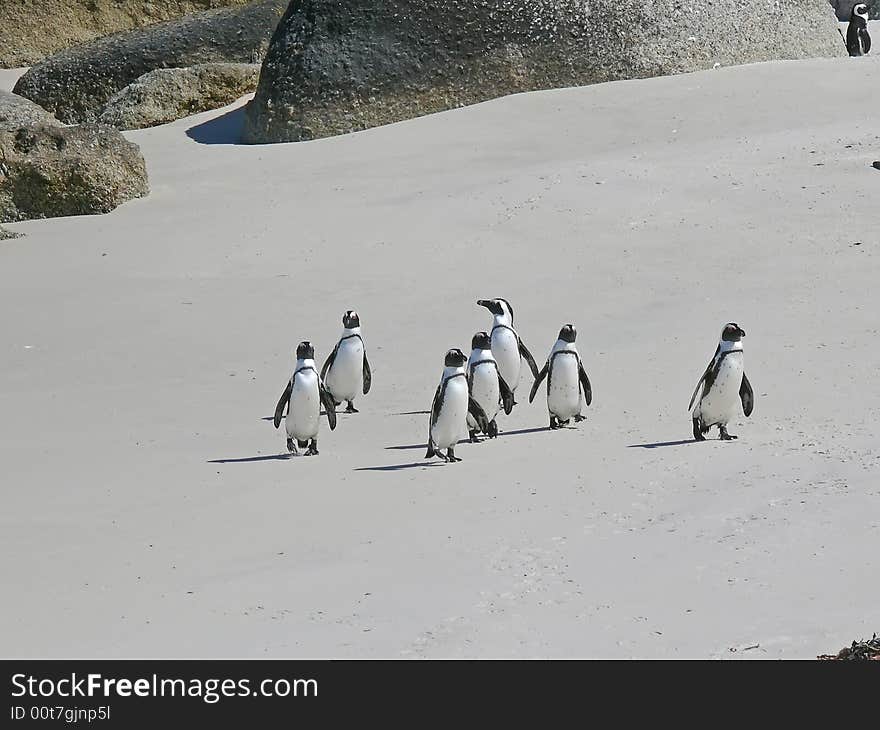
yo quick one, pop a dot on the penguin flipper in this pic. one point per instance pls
(585, 383)
(506, 395)
(707, 378)
(328, 363)
(524, 352)
(437, 404)
(747, 396)
(866, 41)
(368, 374)
(476, 410)
(538, 378)
(329, 405)
(282, 402)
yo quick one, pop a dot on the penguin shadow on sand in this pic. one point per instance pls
(249, 459)
(426, 463)
(661, 444)
(468, 442)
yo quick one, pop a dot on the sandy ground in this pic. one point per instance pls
(147, 507)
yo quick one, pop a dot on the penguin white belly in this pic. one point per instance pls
(718, 406)
(505, 350)
(305, 407)
(485, 391)
(345, 379)
(564, 394)
(451, 422)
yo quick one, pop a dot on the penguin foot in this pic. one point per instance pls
(291, 447)
(564, 423)
(313, 448)
(698, 430)
(554, 424)
(473, 437)
(493, 429)
(724, 436)
(350, 408)
(578, 418)
(450, 455)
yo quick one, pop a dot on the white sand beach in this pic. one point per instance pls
(149, 509)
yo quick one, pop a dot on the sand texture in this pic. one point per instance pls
(148, 507)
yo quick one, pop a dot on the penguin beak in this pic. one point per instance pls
(742, 332)
(484, 302)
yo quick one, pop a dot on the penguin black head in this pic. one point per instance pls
(305, 351)
(732, 332)
(497, 306)
(455, 358)
(568, 333)
(859, 10)
(481, 341)
(351, 319)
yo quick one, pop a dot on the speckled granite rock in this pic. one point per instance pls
(47, 170)
(16, 111)
(77, 83)
(30, 30)
(336, 67)
(166, 94)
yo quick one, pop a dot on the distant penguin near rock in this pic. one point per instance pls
(303, 398)
(567, 381)
(723, 384)
(346, 373)
(858, 40)
(450, 409)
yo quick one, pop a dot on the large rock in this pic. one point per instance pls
(30, 30)
(336, 67)
(48, 170)
(167, 94)
(77, 83)
(16, 111)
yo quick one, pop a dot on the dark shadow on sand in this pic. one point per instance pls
(398, 467)
(660, 444)
(524, 431)
(501, 434)
(247, 459)
(412, 413)
(225, 129)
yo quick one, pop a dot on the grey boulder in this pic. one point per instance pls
(30, 30)
(48, 170)
(76, 84)
(166, 94)
(336, 67)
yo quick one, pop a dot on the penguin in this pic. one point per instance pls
(450, 409)
(304, 395)
(486, 385)
(567, 381)
(723, 382)
(346, 371)
(858, 40)
(507, 346)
